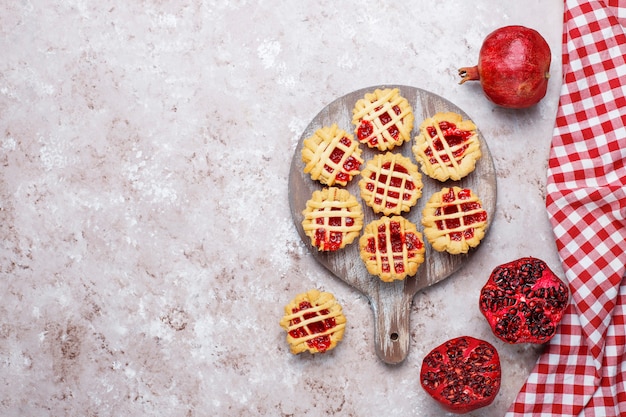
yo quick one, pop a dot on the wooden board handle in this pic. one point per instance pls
(392, 328)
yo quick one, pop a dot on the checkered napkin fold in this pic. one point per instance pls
(582, 371)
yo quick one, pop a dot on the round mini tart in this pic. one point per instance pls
(331, 156)
(392, 248)
(333, 218)
(454, 220)
(383, 119)
(314, 322)
(447, 147)
(390, 184)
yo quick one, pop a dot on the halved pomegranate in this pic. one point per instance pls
(524, 301)
(462, 374)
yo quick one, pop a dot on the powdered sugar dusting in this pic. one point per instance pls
(268, 50)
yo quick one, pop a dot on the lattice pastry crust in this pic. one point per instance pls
(333, 218)
(454, 220)
(390, 184)
(392, 248)
(314, 322)
(331, 156)
(383, 119)
(447, 146)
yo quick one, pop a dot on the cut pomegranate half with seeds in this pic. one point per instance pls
(524, 301)
(463, 374)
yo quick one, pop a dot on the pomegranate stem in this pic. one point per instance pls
(469, 74)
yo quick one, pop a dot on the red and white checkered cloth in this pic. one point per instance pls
(582, 372)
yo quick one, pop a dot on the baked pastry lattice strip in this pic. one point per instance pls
(333, 218)
(392, 248)
(304, 322)
(331, 155)
(388, 116)
(447, 146)
(454, 220)
(314, 321)
(390, 184)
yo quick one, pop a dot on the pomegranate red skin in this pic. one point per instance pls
(524, 301)
(513, 67)
(462, 374)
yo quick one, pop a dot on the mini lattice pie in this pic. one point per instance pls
(331, 155)
(390, 184)
(454, 220)
(383, 119)
(333, 218)
(447, 147)
(392, 248)
(314, 321)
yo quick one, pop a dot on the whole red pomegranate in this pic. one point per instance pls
(513, 67)
(463, 374)
(524, 301)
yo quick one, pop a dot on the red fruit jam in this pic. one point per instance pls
(395, 184)
(365, 132)
(349, 165)
(398, 240)
(455, 138)
(322, 342)
(468, 219)
(327, 238)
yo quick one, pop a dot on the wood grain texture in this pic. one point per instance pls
(390, 302)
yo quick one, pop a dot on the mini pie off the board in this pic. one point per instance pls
(314, 322)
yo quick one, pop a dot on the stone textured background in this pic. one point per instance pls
(147, 244)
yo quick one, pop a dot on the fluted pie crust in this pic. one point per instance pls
(454, 220)
(392, 248)
(447, 147)
(333, 218)
(331, 156)
(390, 184)
(314, 322)
(383, 119)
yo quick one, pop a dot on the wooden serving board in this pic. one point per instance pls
(390, 302)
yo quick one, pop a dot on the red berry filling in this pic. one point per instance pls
(365, 131)
(322, 342)
(331, 239)
(454, 137)
(395, 184)
(468, 219)
(349, 165)
(398, 240)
